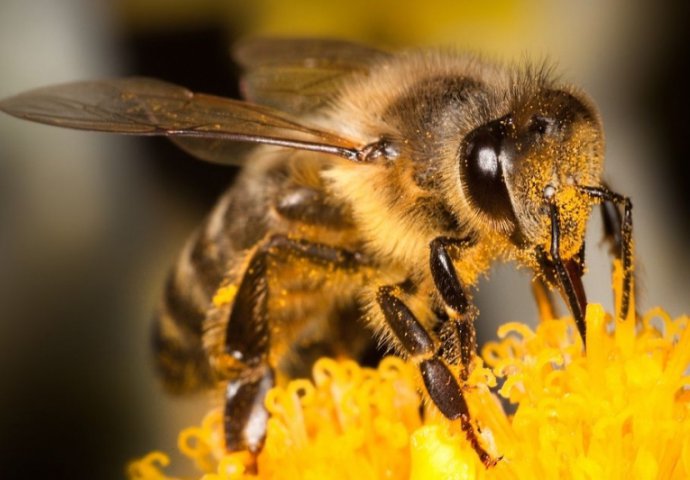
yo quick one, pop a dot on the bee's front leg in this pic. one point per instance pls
(441, 385)
(618, 232)
(247, 334)
(457, 332)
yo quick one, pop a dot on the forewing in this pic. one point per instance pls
(300, 75)
(205, 125)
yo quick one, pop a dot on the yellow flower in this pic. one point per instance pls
(620, 411)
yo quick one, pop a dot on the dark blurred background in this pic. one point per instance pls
(90, 223)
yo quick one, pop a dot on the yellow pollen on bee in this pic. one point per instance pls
(224, 295)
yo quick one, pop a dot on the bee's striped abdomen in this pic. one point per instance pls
(178, 330)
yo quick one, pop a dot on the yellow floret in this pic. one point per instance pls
(621, 411)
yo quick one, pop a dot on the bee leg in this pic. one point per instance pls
(247, 339)
(245, 416)
(247, 342)
(444, 274)
(613, 221)
(457, 331)
(457, 335)
(618, 231)
(441, 385)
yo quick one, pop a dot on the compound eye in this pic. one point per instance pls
(482, 170)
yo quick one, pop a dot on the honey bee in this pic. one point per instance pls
(385, 185)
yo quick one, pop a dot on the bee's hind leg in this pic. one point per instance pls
(247, 336)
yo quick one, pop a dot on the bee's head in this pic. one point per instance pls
(524, 173)
(515, 168)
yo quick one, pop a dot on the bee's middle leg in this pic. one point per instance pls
(247, 339)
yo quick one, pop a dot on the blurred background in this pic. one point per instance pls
(90, 223)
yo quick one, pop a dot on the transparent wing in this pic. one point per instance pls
(205, 125)
(300, 75)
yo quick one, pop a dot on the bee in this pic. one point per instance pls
(385, 185)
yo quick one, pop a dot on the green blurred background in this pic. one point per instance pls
(89, 223)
